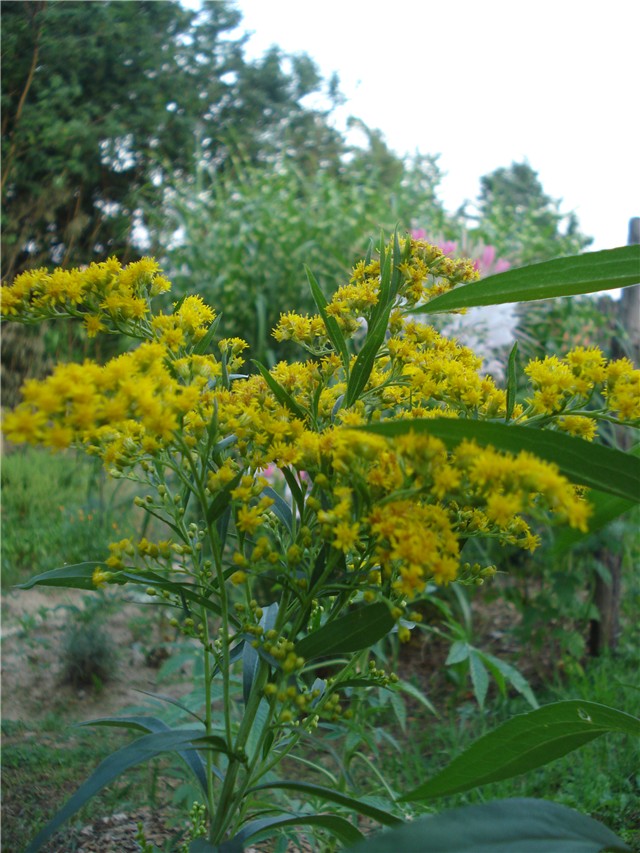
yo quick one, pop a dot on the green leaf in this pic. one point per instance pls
(154, 724)
(519, 825)
(334, 333)
(605, 508)
(221, 500)
(257, 728)
(330, 795)
(592, 465)
(280, 507)
(525, 742)
(458, 652)
(203, 345)
(77, 576)
(588, 273)
(281, 394)
(114, 765)
(340, 827)
(250, 658)
(479, 677)
(366, 357)
(357, 630)
(501, 670)
(411, 690)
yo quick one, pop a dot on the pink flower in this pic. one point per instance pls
(448, 247)
(488, 256)
(502, 266)
(418, 234)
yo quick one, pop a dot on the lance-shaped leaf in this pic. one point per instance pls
(605, 509)
(525, 742)
(330, 795)
(582, 462)
(588, 273)
(334, 332)
(264, 827)
(366, 357)
(281, 394)
(80, 576)
(114, 765)
(203, 345)
(357, 630)
(155, 724)
(250, 659)
(521, 825)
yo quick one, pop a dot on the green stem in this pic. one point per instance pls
(208, 718)
(228, 803)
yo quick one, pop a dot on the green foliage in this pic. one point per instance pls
(101, 103)
(593, 271)
(525, 742)
(507, 826)
(55, 508)
(241, 236)
(520, 220)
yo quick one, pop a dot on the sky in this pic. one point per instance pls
(484, 84)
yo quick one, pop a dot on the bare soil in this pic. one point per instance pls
(33, 631)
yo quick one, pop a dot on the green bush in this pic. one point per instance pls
(241, 238)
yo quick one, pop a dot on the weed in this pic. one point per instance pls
(88, 655)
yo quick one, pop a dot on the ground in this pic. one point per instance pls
(33, 627)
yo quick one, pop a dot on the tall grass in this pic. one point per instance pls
(56, 509)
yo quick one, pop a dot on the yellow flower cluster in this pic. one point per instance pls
(564, 385)
(393, 510)
(128, 408)
(106, 295)
(425, 274)
(423, 498)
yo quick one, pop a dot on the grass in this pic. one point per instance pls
(56, 509)
(43, 766)
(601, 779)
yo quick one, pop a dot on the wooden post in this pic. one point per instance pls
(604, 631)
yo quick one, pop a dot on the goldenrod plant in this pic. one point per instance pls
(395, 451)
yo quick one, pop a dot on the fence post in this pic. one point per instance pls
(604, 631)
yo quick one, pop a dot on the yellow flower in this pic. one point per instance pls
(502, 508)
(345, 535)
(579, 425)
(249, 519)
(100, 578)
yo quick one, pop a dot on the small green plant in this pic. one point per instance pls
(396, 452)
(88, 655)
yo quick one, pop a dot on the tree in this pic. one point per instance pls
(103, 101)
(525, 225)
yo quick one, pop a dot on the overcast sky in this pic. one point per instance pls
(485, 84)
